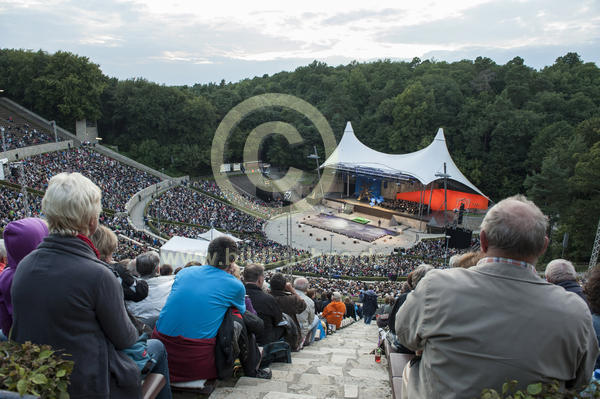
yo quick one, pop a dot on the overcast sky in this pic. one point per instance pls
(191, 41)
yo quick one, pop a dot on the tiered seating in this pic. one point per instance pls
(19, 132)
(119, 182)
(182, 204)
(360, 266)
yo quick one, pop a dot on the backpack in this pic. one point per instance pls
(138, 352)
(278, 351)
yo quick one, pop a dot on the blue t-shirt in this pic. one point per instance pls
(198, 300)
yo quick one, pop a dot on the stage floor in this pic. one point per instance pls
(347, 227)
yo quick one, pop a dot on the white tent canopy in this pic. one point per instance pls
(353, 156)
(180, 250)
(214, 233)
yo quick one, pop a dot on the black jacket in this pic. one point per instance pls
(65, 297)
(268, 311)
(573, 286)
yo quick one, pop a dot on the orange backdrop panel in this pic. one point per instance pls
(472, 201)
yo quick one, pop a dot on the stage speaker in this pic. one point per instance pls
(459, 238)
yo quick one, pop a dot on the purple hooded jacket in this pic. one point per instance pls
(20, 238)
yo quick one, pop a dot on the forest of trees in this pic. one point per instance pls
(509, 128)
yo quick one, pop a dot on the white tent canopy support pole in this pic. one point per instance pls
(347, 184)
(430, 197)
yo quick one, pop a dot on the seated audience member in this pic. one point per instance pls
(246, 327)
(350, 308)
(166, 270)
(495, 322)
(266, 306)
(561, 272)
(106, 242)
(413, 280)
(592, 292)
(288, 300)
(307, 319)
(334, 312)
(159, 287)
(64, 296)
(20, 238)
(189, 321)
(2, 256)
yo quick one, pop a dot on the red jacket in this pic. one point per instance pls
(189, 359)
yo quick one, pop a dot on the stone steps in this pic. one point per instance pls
(338, 366)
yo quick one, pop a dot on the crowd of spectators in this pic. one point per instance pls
(182, 204)
(12, 205)
(239, 198)
(120, 225)
(352, 288)
(360, 266)
(19, 134)
(435, 249)
(263, 250)
(255, 248)
(403, 206)
(118, 182)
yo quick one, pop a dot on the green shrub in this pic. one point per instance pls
(34, 369)
(539, 390)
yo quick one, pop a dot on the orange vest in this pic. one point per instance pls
(334, 313)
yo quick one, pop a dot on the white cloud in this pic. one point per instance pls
(159, 34)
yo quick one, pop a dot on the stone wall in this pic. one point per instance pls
(24, 152)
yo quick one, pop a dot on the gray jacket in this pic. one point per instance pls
(306, 318)
(65, 297)
(494, 322)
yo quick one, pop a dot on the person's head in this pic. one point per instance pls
(454, 260)
(301, 284)
(419, 273)
(514, 228)
(105, 242)
(559, 270)
(336, 297)
(234, 270)
(347, 300)
(166, 270)
(371, 287)
(146, 264)
(222, 252)
(72, 205)
(405, 287)
(254, 274)
(311, 293)
(2, 252)
(277, 282)
(21, 237)
(592, 290)
(468, 259)
(192, 263)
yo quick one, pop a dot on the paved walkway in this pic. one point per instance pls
(339, 366)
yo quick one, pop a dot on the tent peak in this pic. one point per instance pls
(348, 127)
(440, 135)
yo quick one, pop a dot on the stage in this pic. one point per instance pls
(375, 210)
(349, 228)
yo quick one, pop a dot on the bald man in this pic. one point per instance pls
(497, 321)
